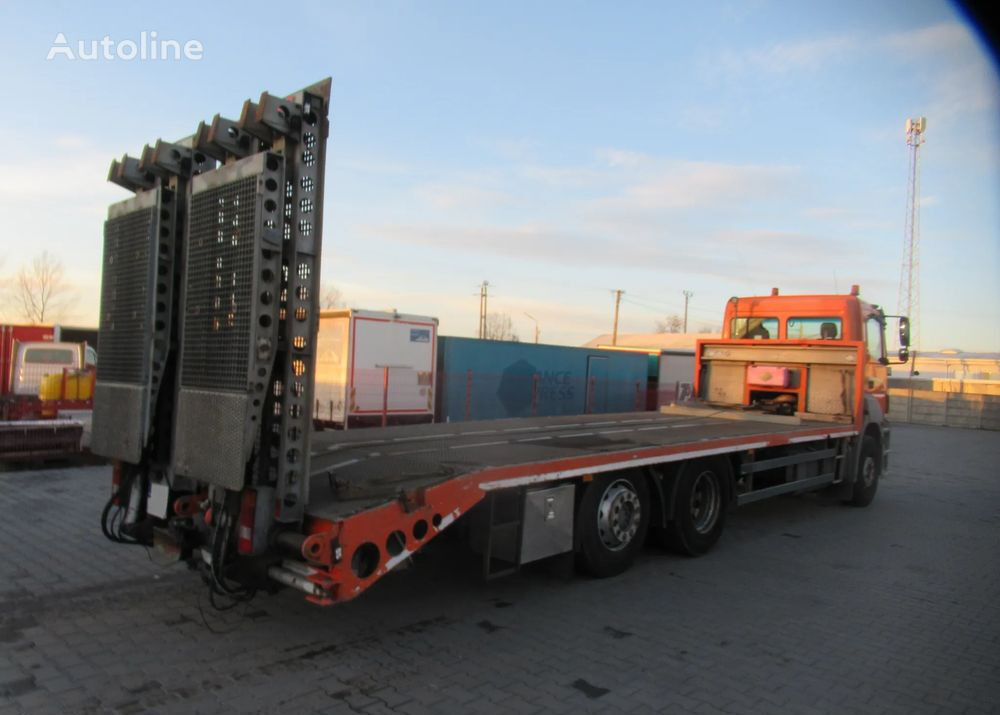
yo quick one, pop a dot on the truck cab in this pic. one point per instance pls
(35, 360)
(837, 319)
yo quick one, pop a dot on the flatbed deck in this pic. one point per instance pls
(360, 469)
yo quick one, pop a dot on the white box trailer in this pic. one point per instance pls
(374, 368)
(676, 377)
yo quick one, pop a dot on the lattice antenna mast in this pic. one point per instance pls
(909, 271)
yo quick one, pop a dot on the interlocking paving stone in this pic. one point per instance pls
(893, 608)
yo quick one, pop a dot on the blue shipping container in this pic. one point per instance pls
(491, 379)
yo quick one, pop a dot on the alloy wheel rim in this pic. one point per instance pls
(618, 515)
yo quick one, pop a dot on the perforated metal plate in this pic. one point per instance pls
(228, 335)
(125, 291)
(134, 326)
(219, 283)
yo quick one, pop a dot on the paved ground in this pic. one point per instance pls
(806, 606)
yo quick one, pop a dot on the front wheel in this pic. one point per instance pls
(869, 470)
(611, 521)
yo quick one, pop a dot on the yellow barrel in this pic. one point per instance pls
(78, 386)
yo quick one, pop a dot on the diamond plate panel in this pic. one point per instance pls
(119, 421)
(211, 448)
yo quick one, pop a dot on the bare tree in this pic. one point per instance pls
(331, 297)
(40, 289)
(671, 324)
(500, 327)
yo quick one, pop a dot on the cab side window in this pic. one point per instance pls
(750, 328)
(814, 329)
(873, 339)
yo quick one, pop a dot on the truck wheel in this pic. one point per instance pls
(699, 508)
(611, 523)
(869, 469)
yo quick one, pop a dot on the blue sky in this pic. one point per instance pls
(558, 150)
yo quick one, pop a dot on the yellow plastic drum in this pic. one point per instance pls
(79, 385)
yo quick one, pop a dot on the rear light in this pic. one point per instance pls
(244, 534)
(116, 480)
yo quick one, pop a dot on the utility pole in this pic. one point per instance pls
(483, 297)
(687, 297)
(614, 331)
(536, 327)
(909, 270)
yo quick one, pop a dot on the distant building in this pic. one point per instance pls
(955, 365)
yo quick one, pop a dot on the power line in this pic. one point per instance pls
(658, 312)
(673, 306)
(650, 308)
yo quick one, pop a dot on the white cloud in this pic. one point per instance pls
(512, 149)
(73, 142)
(57, 202)
(370, 166)
(961, 76)
(80, 178)
(945, 37)
(621, 158)
(702, 117)
(829, 212)
(562, 176)
(458, 196)
(784, 57)
(678, 185)
(658, 247)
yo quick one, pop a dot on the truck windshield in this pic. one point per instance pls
(48, 356)
(814, 329)
(763, 328)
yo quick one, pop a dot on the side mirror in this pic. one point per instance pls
(904, 353)
(904, 335)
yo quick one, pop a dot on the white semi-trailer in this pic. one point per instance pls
(374, 368)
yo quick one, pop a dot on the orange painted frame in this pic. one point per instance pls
(331, 545)
(859, 362)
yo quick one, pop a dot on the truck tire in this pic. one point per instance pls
(699, 508)
(611, 522)
(869, 470)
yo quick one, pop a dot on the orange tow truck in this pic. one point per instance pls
(205, 389)
(790, 399)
